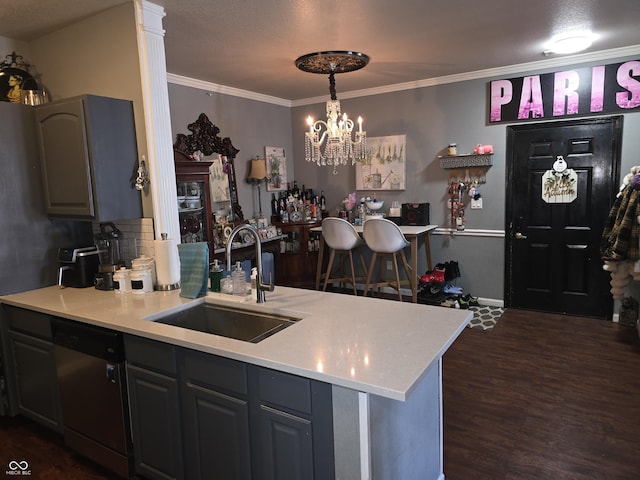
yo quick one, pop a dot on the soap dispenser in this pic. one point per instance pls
(254, 282)
(239, 279)
(215, 275)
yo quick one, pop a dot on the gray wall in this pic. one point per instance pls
(251, 125)
(431, 118)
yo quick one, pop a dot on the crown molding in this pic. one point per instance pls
(547, 63)
(216, 88)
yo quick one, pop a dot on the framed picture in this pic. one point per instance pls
(12, 82)
(384, 167)
(276, 168)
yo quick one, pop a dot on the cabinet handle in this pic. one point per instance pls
(111, 373)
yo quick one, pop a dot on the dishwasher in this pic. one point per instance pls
(93, 393)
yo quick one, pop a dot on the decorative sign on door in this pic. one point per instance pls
(385, 164)
(559, 184)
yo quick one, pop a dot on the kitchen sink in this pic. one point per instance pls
(246, 325)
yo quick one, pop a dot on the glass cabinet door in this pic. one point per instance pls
(192, 210)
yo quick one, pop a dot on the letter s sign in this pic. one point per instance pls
(625, 74)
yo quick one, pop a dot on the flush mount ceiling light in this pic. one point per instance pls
(330, 143)
(571, 42)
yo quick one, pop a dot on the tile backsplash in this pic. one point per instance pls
(137, 237)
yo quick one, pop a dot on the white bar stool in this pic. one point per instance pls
(342, 239)
(384, 239)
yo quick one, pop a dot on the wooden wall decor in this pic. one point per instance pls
(205, 139)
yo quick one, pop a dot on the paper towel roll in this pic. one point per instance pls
(167, 262)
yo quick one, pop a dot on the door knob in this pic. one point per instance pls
(519, 236)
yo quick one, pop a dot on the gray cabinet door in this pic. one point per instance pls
(285, 446)
(88, 153)
(64, 152)
(30, 367)
(216, 435)
(35, 379)
(155, 424)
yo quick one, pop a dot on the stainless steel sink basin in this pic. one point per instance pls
(245, 325)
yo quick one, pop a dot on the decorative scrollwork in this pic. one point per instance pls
(204, 138)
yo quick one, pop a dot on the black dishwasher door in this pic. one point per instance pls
(92, 383)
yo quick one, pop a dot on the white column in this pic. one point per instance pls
(365, 439)
(155, 97)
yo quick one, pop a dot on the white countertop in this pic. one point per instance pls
(371, 345)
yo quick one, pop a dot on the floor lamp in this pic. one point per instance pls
(258, 174)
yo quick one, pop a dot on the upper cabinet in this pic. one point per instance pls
(89, 156)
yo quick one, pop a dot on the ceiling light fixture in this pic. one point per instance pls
(339, 146)
(571, 42)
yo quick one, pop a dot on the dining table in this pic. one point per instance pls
(413, 233)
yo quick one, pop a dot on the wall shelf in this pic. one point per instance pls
(466, 160)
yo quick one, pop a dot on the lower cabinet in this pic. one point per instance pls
(233, 420)
(154, 406)
(215, 416)
(298, 260)
(294, 418)
(285, 445)
(32, 381)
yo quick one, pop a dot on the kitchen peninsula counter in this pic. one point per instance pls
(383, 358)
(367, 344)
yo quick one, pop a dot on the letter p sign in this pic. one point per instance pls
(501, 94)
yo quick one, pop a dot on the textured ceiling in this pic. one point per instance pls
(252, 44)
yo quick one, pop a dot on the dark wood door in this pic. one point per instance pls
(552, 247)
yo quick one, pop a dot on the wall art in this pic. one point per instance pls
(384, 167)
(276, 168)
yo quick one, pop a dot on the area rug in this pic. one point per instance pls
(485, 317)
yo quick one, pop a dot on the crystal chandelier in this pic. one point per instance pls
(331, 143)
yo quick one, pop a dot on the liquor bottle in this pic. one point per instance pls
(274, 204)
(323, 202)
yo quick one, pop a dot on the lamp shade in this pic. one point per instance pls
(257, 170)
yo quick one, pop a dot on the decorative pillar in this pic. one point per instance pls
(155, 98)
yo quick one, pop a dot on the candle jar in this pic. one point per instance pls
(452, 149)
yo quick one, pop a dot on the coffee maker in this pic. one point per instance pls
(108, 243)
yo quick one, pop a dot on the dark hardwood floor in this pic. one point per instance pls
(540, 397)
(543, 397)
(48, 458)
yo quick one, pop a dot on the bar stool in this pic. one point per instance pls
(384, 239)
(342, 239)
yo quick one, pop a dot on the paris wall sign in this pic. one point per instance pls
(584, 91)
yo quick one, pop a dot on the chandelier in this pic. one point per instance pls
(331, 143)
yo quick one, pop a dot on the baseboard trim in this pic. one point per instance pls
(406, 292)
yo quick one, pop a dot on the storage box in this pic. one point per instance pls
(415, 214)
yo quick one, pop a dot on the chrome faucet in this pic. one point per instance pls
(260, 286)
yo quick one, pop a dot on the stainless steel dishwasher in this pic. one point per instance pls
(93, 393)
